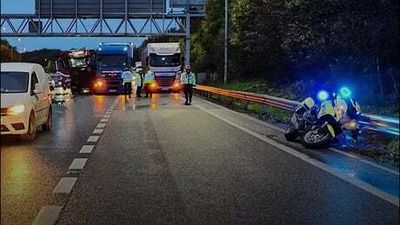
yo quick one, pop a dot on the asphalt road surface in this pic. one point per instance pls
(111, 160)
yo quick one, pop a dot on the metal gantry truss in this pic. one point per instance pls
(129, 25)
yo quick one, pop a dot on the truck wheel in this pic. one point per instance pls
(31, 134)
(49, 121)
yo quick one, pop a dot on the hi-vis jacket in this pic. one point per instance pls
(127, 76)
(149, 77)
(188, 78)
(138, 79)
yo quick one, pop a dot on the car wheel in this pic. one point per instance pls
(49, 121)
(31, 134)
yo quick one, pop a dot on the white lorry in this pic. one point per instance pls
(164, 59)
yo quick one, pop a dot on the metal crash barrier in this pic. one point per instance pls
(378, 123)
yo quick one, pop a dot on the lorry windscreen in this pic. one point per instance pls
(112, 60)
(164, 60)
(79, 62)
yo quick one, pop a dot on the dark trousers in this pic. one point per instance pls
(128, 88)
(188, 91)
(147, 90)
(138, 91)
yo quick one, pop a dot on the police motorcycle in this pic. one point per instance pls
(319, 125)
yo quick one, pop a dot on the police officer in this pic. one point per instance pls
(127, 76)
(188, 80)
(148, 80)
(139, 81)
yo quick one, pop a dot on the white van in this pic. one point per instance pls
(25, 100)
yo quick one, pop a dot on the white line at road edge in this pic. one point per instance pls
(331, 149)
(356, 182)
(48, 215)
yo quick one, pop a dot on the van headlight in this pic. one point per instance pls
(15, 110)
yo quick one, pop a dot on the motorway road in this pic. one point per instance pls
(157, 161)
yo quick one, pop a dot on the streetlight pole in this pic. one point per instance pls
(187, 35)
(226, 44)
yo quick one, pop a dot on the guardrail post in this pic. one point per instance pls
(264, 112)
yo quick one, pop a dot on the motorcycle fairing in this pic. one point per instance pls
(326, 109)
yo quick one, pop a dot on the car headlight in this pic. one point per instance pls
(17, 109)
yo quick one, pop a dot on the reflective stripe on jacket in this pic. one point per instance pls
(188, 78)
(148, 77)
(127, 76)
(138, 79)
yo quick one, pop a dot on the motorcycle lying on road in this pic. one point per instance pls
(317, 126)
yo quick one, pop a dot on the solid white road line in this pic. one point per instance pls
(93, 138)
(78, 164)
(104, 120)
(100, 125)
(365, 161)
(97, 131)
(356, 182)
(48, 215)
(65, 185)
(370, 163)
(86, 149)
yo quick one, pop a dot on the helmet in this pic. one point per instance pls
(188, 67)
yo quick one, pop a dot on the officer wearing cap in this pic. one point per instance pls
(188, 80)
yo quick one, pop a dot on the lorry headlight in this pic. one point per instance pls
(98, 83)
(176, 85)
(15, 110)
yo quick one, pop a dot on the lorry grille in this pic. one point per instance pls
(165, 81)
(111, 74)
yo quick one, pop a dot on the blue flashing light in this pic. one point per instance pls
(322, 95)
(99, 49)
(126, 49)
(345, 92)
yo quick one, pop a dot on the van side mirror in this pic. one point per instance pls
(38, 89)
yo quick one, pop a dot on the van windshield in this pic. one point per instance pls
(14, 82)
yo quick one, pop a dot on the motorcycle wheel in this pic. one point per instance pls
(291, 134)
(316, 137)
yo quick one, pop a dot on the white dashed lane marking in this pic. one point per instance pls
(65, 185)
(93, 138)
(78, 164)
(100, 125)
(97, 131)
(48, 215)
(104, 120)
(86, 149)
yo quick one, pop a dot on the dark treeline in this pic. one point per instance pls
(286, 41)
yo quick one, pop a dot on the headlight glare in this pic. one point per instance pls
(17, 109)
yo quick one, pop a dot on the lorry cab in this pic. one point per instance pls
(164, 59)
(111, 60)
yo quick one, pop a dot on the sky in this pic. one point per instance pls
(64, 43)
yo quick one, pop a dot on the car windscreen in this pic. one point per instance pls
(112, 60)
(14, 82)
(164, 60)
